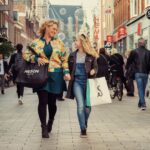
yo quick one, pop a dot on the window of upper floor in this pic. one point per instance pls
(134, 6)
(147, 3)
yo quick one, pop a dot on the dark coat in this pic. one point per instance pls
(116, 63)
(14, 63)
(90, 63)
(103, 66)
(12, 60)
(140, 57)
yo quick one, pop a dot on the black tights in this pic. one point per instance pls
(20, 90)
(44, 99)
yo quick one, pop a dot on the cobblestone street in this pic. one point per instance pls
(117, 126)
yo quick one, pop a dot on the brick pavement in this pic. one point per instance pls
(117, 126)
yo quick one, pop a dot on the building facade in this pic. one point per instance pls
(6, 20)
(106, 21)
(19, 22)
(138, 25)
(121, 18)
(71, 19)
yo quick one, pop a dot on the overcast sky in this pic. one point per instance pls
(88, 6)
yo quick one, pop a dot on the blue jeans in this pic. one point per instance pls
(141, 80)
(83, 112)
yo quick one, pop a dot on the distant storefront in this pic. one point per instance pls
(120, 40)
(136, 28)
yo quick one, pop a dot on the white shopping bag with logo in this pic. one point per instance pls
(97, 92)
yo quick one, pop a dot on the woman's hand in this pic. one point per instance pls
(42, 61)
(92, 72)
(6, 76)
(67, 77)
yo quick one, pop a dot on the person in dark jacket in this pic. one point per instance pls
(140, 57)
(14, 60)
(129, 78)
(116, 63)
(11, 66)
(3, 72)
(82, 65)
(103, 64)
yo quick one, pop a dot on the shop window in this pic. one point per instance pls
(131, 42)
(15, 15)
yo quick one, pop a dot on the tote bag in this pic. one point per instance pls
(31, 74)
(97, 92)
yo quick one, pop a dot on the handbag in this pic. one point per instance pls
(97, 92)
(31, 74)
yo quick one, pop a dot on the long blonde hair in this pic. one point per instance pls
(47, 23)
(87, 47)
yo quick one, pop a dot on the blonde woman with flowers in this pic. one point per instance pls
(50, 50)
(82, 65)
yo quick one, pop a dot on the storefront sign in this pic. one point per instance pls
(108, 11)
(96, 27)
(148, 13)
(109, 38)
(139, 29)
(108, 45)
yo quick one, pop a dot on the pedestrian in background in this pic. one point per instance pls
(3, 72)
(117, 66)
(51, 50)
(129, 79)
(103, 64)
(82, 65)
(140, 57)
(11, 65)
(15, 59)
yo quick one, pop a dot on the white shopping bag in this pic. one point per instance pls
(97, 92)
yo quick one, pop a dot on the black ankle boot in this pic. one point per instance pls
(44, 131)
(49, 125)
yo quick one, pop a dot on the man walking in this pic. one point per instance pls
(140, 57)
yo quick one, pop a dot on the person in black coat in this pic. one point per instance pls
(11, 66)
(129, 77)
(14, 60)
(117, 63)
(140, 59)
(103, 64)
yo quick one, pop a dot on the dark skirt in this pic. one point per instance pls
(55, 83)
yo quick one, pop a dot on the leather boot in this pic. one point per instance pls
(49, 125)
(44, 131)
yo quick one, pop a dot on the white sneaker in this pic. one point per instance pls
(143, 108)
(20, 101)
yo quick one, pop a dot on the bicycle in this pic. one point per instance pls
(115, 84)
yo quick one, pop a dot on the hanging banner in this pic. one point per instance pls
(96, 28)
(139, 29)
